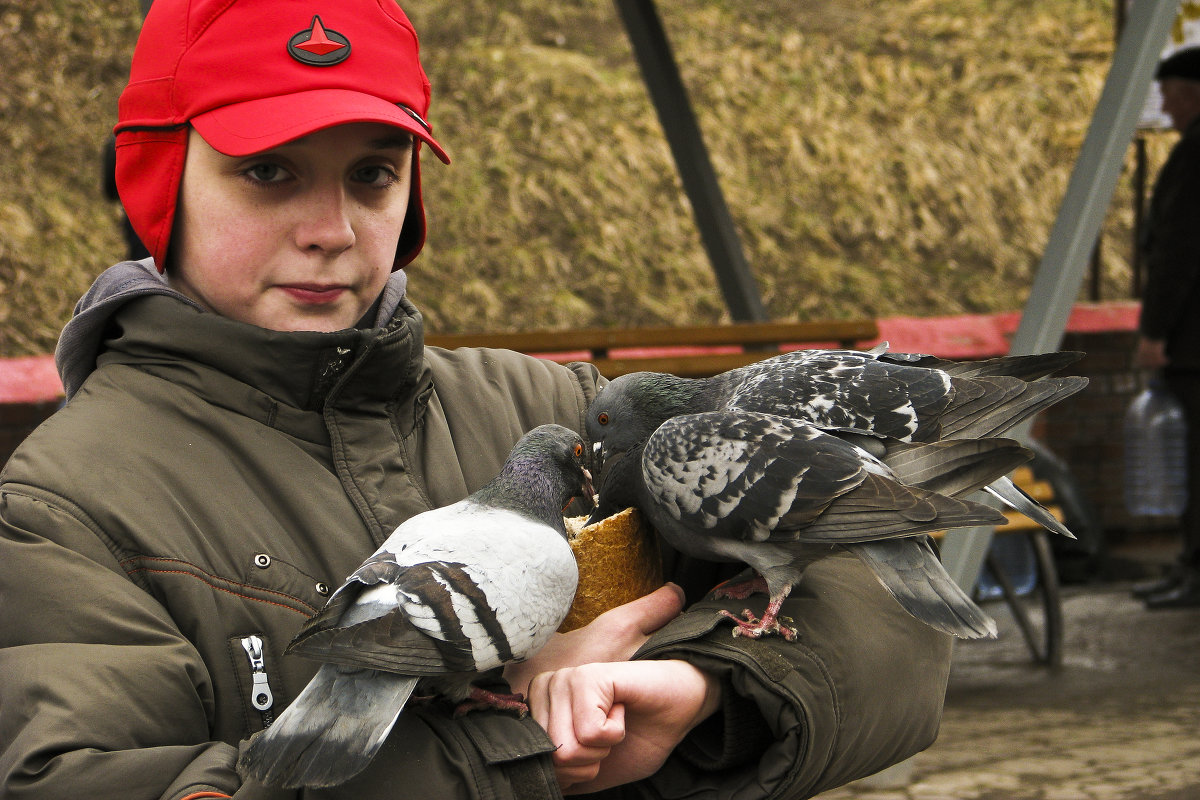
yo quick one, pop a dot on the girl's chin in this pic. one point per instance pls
(318, 322)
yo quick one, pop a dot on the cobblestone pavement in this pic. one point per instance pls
(1119, 721)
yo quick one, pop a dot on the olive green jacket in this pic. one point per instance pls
(164, 535)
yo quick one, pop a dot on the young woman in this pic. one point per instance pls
(251, 412)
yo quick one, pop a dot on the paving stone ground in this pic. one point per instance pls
(1119, 721)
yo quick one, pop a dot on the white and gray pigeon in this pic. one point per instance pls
(452, 593)
(773, 463)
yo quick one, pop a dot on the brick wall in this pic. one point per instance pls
(1086, 430)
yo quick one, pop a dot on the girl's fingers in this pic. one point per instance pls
(575, 708)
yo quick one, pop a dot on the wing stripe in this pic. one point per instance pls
(453, 580)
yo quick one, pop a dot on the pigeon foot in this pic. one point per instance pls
(752, 627)
(482, 699)
(755, 628)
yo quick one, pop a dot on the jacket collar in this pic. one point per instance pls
(132, 316)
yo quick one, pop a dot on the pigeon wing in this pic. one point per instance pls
(736, 474)
(1025, 367)
(748, 476)
(907, 397)
(464, 590)
(844, 390)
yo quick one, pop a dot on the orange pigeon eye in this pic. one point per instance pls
(578, 449)
(602, 418)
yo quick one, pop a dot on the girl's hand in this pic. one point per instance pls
(615, 723)
(613, 636)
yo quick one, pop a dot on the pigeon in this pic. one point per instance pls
(452, 593)
(864, 396)
(777, 494)
(777, 463)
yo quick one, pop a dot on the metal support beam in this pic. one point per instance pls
(1089, 193)
(667, 92)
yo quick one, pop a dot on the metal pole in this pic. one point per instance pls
(670, 99)
(1089, 192)
(1139, 216)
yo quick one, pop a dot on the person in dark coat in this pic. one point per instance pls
(1170, 321)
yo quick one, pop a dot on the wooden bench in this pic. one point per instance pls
(692, 351)
(1043, 631)
(1046, 646)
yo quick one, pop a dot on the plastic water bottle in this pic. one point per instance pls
(1155, 453)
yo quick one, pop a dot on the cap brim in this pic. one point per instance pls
(256, 125)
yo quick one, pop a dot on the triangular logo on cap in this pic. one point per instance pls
(319, 46)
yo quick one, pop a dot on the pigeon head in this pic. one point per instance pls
(546, 468)
(632, 406)
(620, 484)
(567, 449)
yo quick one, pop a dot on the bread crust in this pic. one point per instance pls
(619, 561)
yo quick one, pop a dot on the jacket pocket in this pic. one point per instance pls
(252, 665)
(503, 757)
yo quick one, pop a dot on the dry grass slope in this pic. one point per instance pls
(878, 157)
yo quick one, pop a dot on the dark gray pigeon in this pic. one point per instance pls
(726, 467)
(777, 494)
(453, 592)
(867, 397)
(903, 396)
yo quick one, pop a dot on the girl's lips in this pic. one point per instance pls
(314, 295)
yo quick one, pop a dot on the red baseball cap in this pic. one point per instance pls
(250, 75)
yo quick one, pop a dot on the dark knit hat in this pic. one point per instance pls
(1180, 64)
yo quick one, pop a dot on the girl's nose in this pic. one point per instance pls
(326, 225)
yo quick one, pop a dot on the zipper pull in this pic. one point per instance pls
(260, 697)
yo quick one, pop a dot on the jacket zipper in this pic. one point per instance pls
(260, 693)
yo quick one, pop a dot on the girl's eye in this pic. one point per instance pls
(378, 176)
(266, 173)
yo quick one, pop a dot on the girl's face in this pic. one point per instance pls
(298, 238)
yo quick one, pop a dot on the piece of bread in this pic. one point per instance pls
(619, 561)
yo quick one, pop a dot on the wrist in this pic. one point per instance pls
(712, 688)
(714, 693)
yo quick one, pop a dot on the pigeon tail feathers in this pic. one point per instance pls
(1026, 367)
(954, 467)
(880, 509)
(1006, 404)
(331, 731)
(911, 572)
(1016, 498)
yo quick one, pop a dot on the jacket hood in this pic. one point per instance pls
(82, 337)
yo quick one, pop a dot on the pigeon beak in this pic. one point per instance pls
(598, 457)
(589, 491)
